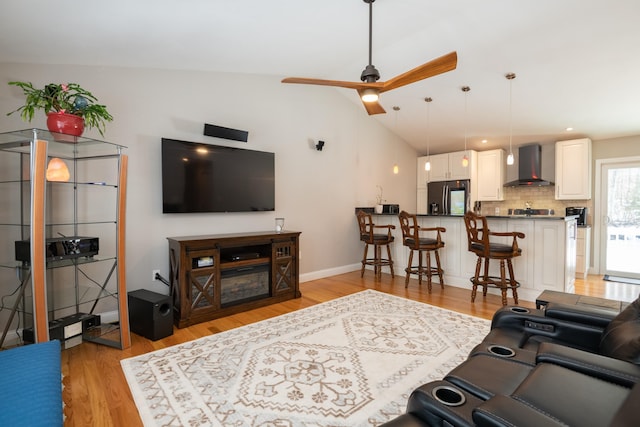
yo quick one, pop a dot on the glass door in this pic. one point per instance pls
(620, 184)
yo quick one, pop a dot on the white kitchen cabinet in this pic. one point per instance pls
(583, 251)
(523, 265)
(439, 167)
(573, 169)
(491, 175)
(448, 166)
(451, 255)
(422, 175)
(555, 255)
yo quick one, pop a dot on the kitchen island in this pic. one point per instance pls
(548, 260)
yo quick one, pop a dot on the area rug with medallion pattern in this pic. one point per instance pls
(352, 361)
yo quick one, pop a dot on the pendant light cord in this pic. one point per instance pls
(370, 31)
(428, 101)
(396, 168)
(510, 77)
(510, 116)
(466, 90)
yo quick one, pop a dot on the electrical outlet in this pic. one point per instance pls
(154, 272)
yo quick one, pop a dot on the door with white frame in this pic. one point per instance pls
(618, 219)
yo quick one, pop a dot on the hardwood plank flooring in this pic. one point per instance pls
(97, 393)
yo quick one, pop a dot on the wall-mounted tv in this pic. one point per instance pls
(199, 177)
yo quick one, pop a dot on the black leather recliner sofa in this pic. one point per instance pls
(565, 365)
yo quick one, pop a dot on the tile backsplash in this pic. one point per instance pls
(540, 198)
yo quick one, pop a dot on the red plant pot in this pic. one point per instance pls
(69, 124)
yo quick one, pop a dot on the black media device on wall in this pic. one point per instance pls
(150, 314)
(225, 133)
(200, 177)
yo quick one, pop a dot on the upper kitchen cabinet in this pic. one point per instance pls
(573, 169)
(422, 175)
(491, 175)
(448, 166)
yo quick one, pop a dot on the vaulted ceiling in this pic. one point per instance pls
(577, 61)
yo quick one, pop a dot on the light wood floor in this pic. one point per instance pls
(97, 393)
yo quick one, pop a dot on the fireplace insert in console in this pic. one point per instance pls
(218, 275)
(242, 284)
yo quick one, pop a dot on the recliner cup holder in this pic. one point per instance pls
(500, 350)
(448, 396)
(522, 310)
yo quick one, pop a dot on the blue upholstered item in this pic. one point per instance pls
(31, 385)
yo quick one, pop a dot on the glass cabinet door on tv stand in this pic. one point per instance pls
(62, 253)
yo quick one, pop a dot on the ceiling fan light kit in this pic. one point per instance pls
(370, 95)
(369, 88)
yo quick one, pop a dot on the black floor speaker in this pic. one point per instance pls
(150, 314)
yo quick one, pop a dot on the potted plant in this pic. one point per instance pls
(69, 107)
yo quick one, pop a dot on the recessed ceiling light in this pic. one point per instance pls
(484, 141)
(569, 129)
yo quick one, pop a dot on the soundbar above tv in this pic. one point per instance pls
(198, 177)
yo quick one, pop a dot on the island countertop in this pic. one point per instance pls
(548, 257)
(535, 217)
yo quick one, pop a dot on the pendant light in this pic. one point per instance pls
(465, 158)
(396, 169)
(427, 165)
(510, 77)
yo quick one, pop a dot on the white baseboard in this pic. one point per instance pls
(321, 274)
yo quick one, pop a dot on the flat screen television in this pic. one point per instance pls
(198, 177)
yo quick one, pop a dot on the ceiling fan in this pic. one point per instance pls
(370, 88)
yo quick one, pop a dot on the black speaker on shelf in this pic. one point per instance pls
(150, 314)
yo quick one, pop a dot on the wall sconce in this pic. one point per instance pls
(57, 170)
(319, 145)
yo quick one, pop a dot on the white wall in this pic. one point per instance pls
(316, 192)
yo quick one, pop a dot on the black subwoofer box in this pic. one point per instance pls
(150, 314)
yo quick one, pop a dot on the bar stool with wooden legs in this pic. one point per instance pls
(478, 234)
(414, 238)
(369, 236)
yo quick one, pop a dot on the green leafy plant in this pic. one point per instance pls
(67, 98)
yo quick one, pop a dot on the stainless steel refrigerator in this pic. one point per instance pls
(448, 197)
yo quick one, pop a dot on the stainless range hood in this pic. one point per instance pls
(529, 170)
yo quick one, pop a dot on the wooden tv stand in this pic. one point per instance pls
(218, 275)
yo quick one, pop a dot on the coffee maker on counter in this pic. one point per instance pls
(581, 212)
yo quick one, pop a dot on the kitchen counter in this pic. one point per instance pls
(548, 258)
(518, 217)
(536, 217)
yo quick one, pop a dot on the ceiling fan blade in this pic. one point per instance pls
(432, 68)
(321, 82)
(372, 107)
